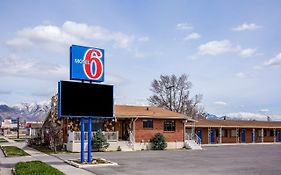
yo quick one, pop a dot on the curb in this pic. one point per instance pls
(4, 152)
(78, 165)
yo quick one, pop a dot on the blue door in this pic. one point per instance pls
(199, 133)
(278, 136)
(212, 136)
(243, 136)
(253, 136)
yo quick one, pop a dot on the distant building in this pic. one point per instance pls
(33, 129)
(9, 128)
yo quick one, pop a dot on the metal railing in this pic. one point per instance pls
(193, 136)
(76, 136)
(198, 139)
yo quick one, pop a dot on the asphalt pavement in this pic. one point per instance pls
(221, 160)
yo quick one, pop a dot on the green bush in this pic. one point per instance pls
(159, 142)
(99, 142)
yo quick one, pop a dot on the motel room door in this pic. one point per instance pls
(243, 139)
(121, 128)
(278, 135)
(212, 136)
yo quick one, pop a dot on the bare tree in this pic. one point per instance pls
(55, 126)
(173, 93)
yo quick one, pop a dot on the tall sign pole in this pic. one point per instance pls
(89, 139)
(82, 139)
(86, 64)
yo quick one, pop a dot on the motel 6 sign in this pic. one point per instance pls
(86, 63)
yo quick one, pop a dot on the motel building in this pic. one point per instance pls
(234, 131)
(133, 127)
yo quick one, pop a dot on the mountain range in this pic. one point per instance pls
(215, 117)
(25, 111)
(38, 111)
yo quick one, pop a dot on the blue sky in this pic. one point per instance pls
(230, 50)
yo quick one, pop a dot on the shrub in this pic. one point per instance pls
(34, 141)
(36, 168)
(99, 142)
(159, 142)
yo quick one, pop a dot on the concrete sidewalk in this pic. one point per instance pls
(8, 163)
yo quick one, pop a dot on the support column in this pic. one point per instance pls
(220, 133)
(209, 136)
(262, 135)
(89, 139)
(274, 135)
(82, 139)
(237, 135)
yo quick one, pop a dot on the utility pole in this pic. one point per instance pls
(18, 127)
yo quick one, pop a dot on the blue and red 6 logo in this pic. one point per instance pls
(86, 63)
(93, 66)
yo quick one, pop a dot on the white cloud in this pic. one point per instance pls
(264, 110)
(276, 61)
(144, 39)
(19, 67)
(247, 26)
(247, 115)
(114, 79)
(248, 52)
(220, 103)
(184, 26)
(57, 38)
(192, 36)
(240, 75)
(251, 116)
(217, 48)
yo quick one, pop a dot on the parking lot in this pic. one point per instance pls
(240, 159)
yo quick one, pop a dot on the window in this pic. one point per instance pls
(271, 132)
(169, 125)
(147, 123)
(266, 132)
(224, 133)
(233, 133)
(259, 133)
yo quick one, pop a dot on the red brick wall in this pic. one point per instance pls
(228, 139)
(268, 139)
(143, 134)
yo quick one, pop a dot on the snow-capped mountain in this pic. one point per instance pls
(232, 117)
(29, 111)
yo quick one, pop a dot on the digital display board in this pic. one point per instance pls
(85, 100)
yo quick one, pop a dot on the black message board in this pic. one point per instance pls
(85, 100)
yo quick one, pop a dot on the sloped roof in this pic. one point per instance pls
(125, 111)
(238, 123)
